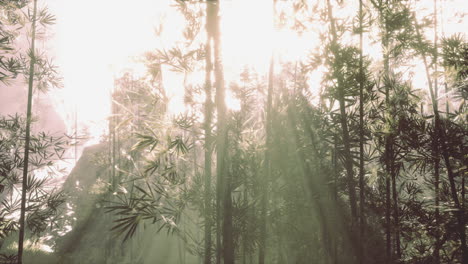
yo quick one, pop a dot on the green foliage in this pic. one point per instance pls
(149, 178)
(44, 206)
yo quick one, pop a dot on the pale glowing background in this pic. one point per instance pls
(95, 40)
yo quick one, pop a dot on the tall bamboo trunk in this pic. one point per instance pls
(396, 213)
(388, 146)
(388, 231)
(208, 117)
(223, 188)
(361, 139)
(244, 237)
(334, 160)
(436, 160)
(267, 167)
(212, 13)
(436, 151)
(27, 139)
(348, 163)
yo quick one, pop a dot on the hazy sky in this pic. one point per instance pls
(94, 40)
(91, 42)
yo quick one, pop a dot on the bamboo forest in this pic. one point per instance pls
(233, 131)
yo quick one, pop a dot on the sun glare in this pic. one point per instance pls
(94, 40)
(247, 34)
(93, 45)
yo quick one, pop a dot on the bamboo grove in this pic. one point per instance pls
(363, 165)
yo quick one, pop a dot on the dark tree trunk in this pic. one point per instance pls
(27, 139)
(267, 167)
(387, 209)
(436, 154)
(361, 139)
(388, 153)
(348, 163)
(208, 117)
(223, 188)
(396, 213)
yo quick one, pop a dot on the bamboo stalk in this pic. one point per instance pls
(28, 138)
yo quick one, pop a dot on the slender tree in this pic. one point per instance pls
(28, 137)
(348, 159)
(208, 117)
(212, 20)
(361, 136)
(267, 166)
(383, 7)
(223, 188)
(388, 143)
(436, 151)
